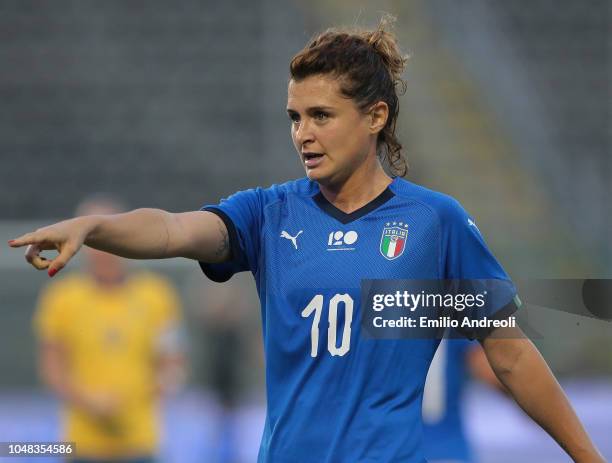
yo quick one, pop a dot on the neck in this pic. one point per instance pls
(358, 190)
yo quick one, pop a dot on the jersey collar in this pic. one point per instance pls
(344, 217)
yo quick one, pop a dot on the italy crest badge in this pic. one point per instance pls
(393, 240)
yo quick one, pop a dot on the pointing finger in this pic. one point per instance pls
(28, 238)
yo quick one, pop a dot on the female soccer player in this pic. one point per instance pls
(334, 396)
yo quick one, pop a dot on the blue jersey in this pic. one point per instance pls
(333, 396)
(444, 436)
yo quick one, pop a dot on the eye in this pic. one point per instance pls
(321, 115)
(295, 118)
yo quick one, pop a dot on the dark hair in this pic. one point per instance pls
(368, 64)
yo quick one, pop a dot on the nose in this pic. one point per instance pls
(303, 133)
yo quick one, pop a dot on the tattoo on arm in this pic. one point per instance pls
(223, 243)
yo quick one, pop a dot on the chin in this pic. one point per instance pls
(317, 175)
(326, 179)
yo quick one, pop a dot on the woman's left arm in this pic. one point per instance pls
(520, 367)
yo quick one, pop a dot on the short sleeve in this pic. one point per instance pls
(242, 215)
(467, 258)
(466, 253)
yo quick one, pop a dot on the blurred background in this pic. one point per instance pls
(177, 104)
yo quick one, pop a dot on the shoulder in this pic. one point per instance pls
(447, 209)
(69, 286)
(157, 294)
(150, 283)
(274, 193)
(62, 298)
(280, 192)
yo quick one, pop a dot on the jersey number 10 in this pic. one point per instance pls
(316, 306)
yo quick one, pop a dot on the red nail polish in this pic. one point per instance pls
(11, 241)
(52, 272)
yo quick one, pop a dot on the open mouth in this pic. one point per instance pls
(309, 156)
(312, 160)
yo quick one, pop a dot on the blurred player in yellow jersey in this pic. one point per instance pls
(110, 345)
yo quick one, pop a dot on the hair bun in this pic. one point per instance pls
(385, 44)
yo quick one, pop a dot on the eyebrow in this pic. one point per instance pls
(312, 109)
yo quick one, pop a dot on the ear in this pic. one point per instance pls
(379, 113)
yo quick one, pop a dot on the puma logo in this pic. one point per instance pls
(293, 239)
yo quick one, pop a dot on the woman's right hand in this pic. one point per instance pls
(65, 237)
(139, 234)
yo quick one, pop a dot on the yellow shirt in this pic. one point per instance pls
(110, 337)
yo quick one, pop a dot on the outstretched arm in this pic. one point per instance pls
(520, 367)
(139, 234)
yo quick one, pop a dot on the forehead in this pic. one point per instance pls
(316, 90)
